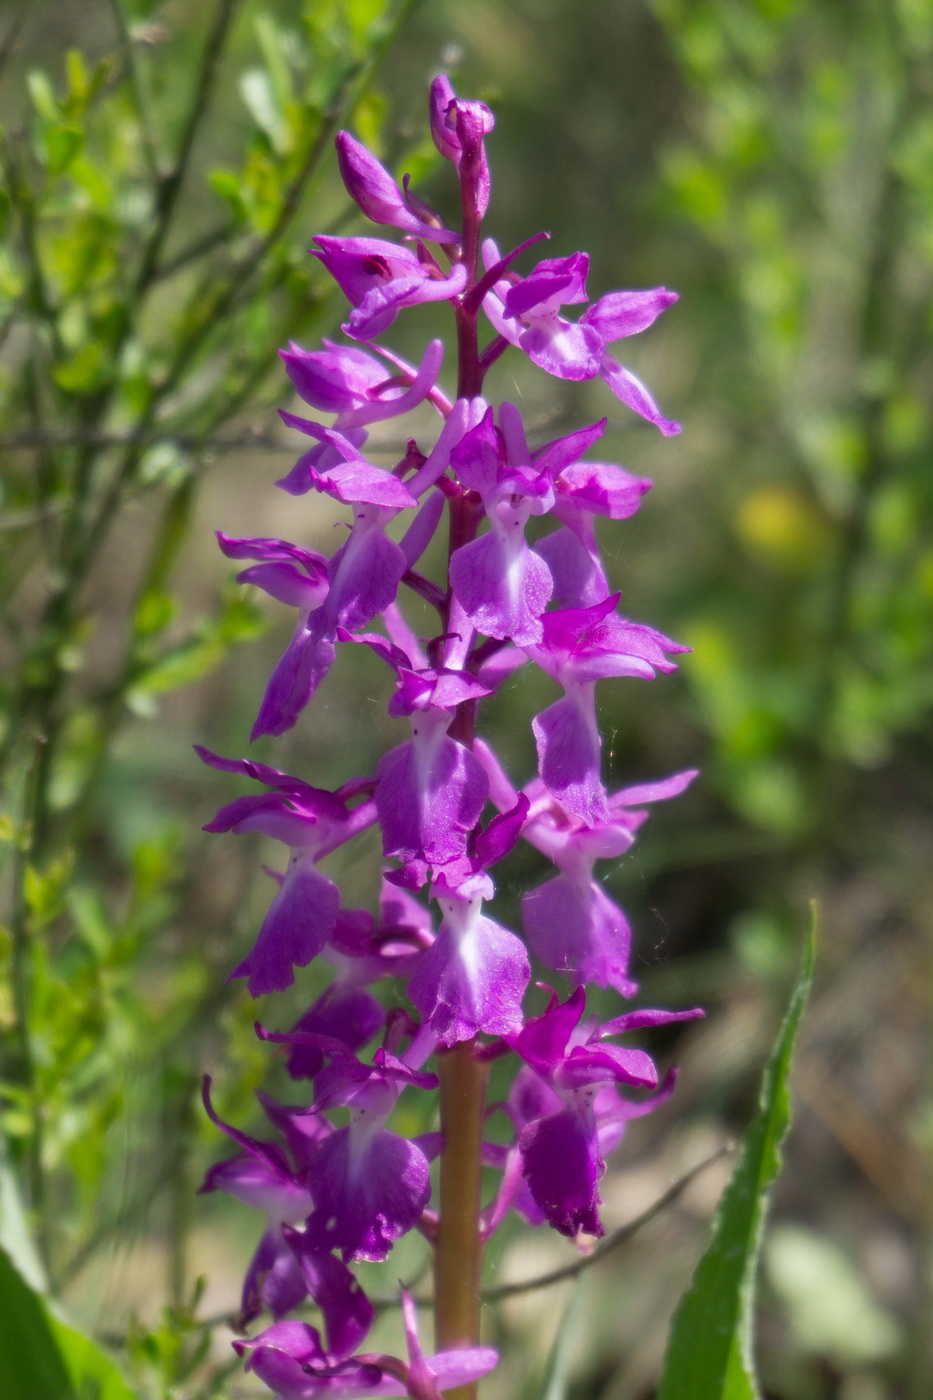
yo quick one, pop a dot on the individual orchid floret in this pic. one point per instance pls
(526, 312)
(430, 790)
(348, 477)
(289, 1358)
(472, 979)
(371, 186)
(362, 952)
(502, 585)
(580, 646)
(571, 923)
(561, 1159)
(298, 578)
(369, 1185)
(310, 821)
(347, 381)
(262, 1176)
(379, 279)
(582, 491)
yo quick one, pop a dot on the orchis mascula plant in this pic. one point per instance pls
(333, 1195)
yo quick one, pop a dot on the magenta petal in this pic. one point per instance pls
(577, 572)
(336, 379)
(576, 929)
(430, 793)
(273, 1279)
(543, 1039)
(561, 348)
(359, 480)
(627, 387)
(364, 573)
(562, 1165)
(502, 584)
(369, 1187)
(380, 198)
(454, 1368)
(348, 1014)
(568, 755)
(294, 930)
(472, 979)
(295, 677)
(602, 488)
(620, 314)
(348, 1313)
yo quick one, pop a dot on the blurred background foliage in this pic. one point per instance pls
(164, 167)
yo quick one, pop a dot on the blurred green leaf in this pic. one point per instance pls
(709, 1354)
(48, 1359)
(830, 1307)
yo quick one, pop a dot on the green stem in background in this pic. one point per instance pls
(458, 1263)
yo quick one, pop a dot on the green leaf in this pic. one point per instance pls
(50, 1358)
(709, 1352)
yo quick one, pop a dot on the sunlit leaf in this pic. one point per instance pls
(709, 1354)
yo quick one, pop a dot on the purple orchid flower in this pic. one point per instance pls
(289, 1358)
(379, 279)
(583, 490)
(458, 129)
(571, 923)
(369, 1185)
(561, 1159)
(380, 198)
(473, 977)
(430, 791)
(299, 578)
(262, 1176)
(362, 952)
(580, 646)
(347, 381)
(310, 821)
(527, 314)
(501, 584)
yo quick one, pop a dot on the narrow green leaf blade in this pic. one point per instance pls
(93, 1374)
(32, 1362)
(42, 1356)
(709, 1352)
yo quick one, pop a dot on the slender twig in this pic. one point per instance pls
(25, 438)
(625, 1232)
(10, 37)
(171, 183)
(147, 126)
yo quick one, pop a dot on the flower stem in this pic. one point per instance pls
(458, 1262)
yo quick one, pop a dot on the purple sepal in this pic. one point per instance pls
(576, 568)
(379, 279)
(348, 1313)
(294, 930)
(337, 379)
(371, 186)
(348, 1014)
(288, 1357)
(273, 1279)
(568, 745)
(296, 676)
